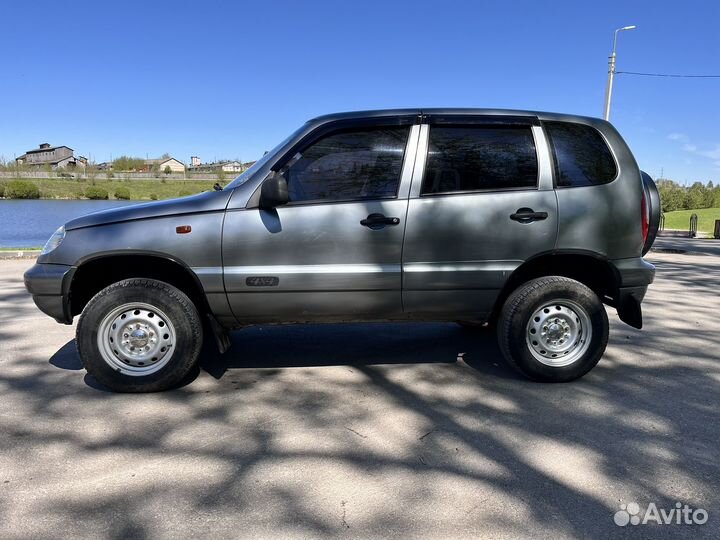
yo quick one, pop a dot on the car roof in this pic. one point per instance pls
(378, 113)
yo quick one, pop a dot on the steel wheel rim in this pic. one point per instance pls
(136, 339)
(559, 333)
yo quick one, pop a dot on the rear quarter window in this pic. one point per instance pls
(582, 157)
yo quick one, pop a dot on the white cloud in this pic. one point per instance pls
(712, 154)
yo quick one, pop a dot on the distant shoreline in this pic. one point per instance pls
(81, 199)
(114, 189)
(13, 254)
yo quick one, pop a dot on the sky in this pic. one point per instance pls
(226, 80)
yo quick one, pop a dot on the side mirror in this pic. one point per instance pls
(274, 191)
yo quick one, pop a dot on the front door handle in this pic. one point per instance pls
(378, 221)
(528, 215)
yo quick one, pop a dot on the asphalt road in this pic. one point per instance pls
(369, 431)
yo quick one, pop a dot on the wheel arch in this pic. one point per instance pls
(587, 267)
(100, 270)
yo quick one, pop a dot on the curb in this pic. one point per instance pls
(682, 233)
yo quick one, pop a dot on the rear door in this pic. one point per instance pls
(334, 251)
(481, 203)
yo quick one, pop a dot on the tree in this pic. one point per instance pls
(167, 169)
(127, 163)
(696, 196)
(672, 196)
(709, 195)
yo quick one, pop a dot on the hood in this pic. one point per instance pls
(209, 201)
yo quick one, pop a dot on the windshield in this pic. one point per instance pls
(245, 176)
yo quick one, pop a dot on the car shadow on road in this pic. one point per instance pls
(323, 345)
(67, 357)
(315, 345)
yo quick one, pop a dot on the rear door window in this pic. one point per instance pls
(582, 157)
(479, 158)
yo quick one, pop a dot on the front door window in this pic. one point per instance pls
(348, 166)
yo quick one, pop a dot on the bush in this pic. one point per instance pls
(2, 189)
(19, 189)
(153, 197)
(96, 193)
(122, 193)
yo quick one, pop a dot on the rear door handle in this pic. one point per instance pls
(378, 221)
(528, 215)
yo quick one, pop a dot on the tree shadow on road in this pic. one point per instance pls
(380, 430)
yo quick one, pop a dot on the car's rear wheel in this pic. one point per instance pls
(553, 329)
(139, 335)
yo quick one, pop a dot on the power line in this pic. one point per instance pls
(669, 75)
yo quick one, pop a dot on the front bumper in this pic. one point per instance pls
(49, 285)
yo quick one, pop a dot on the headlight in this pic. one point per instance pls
(54, 240)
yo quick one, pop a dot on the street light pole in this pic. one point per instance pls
(611, 72)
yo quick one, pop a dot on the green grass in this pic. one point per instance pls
(62, 188)
(680, 219)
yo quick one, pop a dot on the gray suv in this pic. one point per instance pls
(528, 222)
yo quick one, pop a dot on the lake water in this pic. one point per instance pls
(30, 223)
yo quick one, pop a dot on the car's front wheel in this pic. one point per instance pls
(139, 335)
(553, 329)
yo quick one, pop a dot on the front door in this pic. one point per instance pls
(334, 251)
(481, 205)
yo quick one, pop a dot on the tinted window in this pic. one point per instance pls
(363, 164)
(582, 158)
(471, 158)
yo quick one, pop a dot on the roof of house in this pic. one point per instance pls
(50, 161)
(160, 160)
(216, 164)
(47, 149)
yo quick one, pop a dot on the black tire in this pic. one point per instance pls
(173, 304)
(529, 301)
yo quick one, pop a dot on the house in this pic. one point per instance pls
(56, 157)
(161, 164)
(233, 166)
